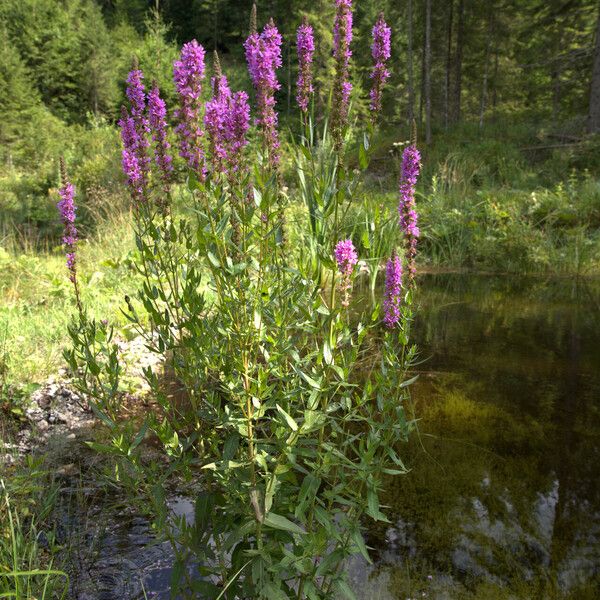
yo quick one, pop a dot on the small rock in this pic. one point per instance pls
(67, 470)
(44, 401)
(42, 425)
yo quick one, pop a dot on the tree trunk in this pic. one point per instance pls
(411, 76)
(216, 25)
(458, 58)
(448, 66)
(555, 73)
(488, 49)
(495, 85)
(594, 115)
(428, 71)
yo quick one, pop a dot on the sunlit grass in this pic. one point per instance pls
(36, 300)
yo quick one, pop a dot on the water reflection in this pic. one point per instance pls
(504, 494)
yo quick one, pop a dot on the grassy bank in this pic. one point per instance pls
(36, 301)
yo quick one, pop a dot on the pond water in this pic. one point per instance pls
(503, 497)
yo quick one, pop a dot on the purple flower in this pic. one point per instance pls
(411, 167)
(66, 208)
(342, 38)
(157, 114)
(381, 53)
(132, 148)
(263, 55)
(393, 291)
(135, 94)
(188, 73)
(305, 45)
(227, 119)
(346, 258)
(215, 116)
(134, 133)
(236, 127)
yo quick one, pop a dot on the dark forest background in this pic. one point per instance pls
(523, 75)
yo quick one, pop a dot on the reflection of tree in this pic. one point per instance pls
(515, 424)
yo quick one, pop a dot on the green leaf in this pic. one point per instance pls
(270, 592)
(409, 381)
(213, 260)
(327, 356)
(329, 563)
(363, 158)
(139, 437)
(203, 509)
(230, 446)
(358, 539)
(280, 522)
(345, 590)
(373, 507)
(293, 425)
(310, 380)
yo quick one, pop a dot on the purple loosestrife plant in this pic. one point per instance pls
(267, 364)
(305, 45)
(157, 114)
(380, 51)
(393, 291)
(263, 55)
(66, 208)
(346, 258)
(188, 73)
(342, 88)
(215, 118)
(410, 169)
(130, 156)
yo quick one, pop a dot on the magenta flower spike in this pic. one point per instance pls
(305, 44)
(263, 55)
(188, 74)
(393, 291)
(381, 53)
(130, 161)
(134, 134)
(227, 120)
(236, 129)
(66, 208)
(215, 117)
(157, 115)
(346, 258)
(342, 88)
(411, 167)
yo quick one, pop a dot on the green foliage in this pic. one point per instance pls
(27, 571)
(291, 406)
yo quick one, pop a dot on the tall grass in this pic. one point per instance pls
(35, 301)
(26, 565)
(504, 199)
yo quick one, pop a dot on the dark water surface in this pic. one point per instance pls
(503, 500)
(503, 497)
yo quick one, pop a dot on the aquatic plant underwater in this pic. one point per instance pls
(282, 398)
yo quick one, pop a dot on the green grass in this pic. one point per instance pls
(27, 568)
(490, 200)
(36, 299)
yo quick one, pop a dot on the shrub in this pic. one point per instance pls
(290, 393)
